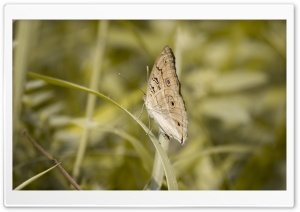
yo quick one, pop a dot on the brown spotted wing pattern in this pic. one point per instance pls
(164, 101)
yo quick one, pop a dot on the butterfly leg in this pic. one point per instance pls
(149, 126)
(141, 112)
(166, 136)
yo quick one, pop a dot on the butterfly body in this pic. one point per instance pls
(163, 99)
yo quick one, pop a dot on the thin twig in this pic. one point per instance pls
(50, 157)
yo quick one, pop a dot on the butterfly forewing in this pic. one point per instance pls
(163, 99)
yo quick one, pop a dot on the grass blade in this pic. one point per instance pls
(91, 101)
(157, 172)
(170, 176)
(30, 180)
(140, 149)
(216, 150)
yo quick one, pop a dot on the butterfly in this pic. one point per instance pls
(163, 98)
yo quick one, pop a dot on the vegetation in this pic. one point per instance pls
(70, 98)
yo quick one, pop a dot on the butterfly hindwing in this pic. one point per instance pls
(163, 100)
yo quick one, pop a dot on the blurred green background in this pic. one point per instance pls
(233, 77)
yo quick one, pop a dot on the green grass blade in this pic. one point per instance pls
(170, 176)
(158, 172)
(140, 149)
(216, 150)
(30, 180)
(24, 37)
(91, 99)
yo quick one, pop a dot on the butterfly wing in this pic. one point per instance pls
(163, 100)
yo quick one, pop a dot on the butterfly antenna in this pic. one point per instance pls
(131, 83)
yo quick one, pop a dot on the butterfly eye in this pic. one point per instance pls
(178, 123)
(165, 61)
